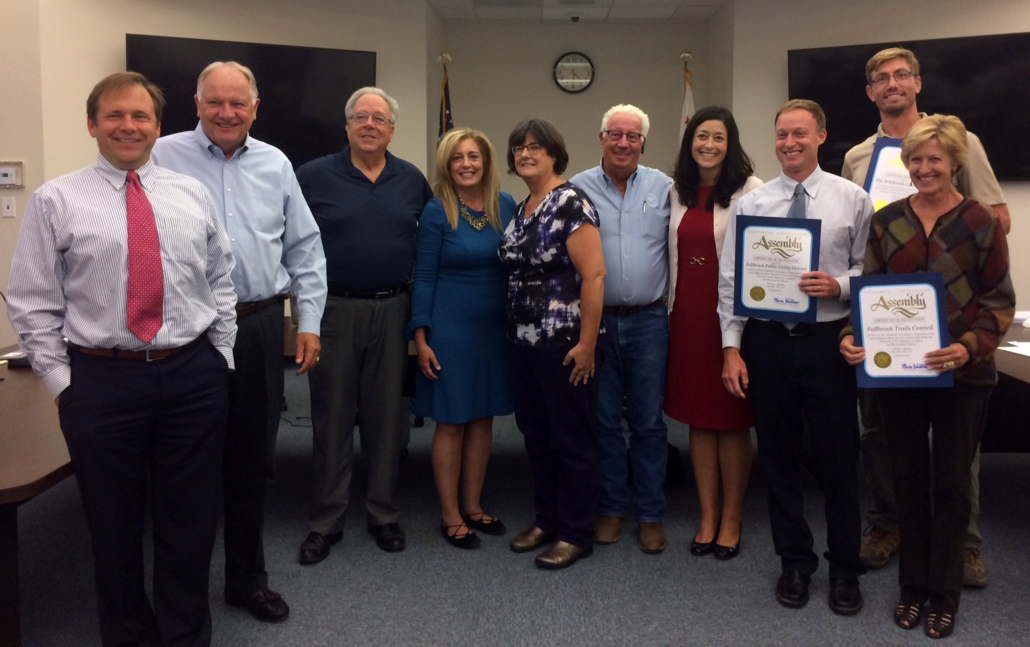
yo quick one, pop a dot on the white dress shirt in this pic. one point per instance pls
(70, 271)
(844, 209)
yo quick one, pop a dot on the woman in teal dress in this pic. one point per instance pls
(458, 323)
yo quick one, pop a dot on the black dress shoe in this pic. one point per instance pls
(264, 604)
(389, 536)
(477, 520)
(466, 541)
(316, 547)
(726, 552)
(845, 597)
(792, 589)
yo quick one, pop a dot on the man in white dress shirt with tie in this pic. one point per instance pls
(793, 374)
(278, 250)
(121, 295)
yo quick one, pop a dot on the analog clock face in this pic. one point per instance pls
(574, 72)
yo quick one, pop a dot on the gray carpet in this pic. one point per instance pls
(433, 594)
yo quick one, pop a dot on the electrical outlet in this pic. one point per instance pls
(7, 207)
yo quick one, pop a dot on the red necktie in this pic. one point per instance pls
(145, 303)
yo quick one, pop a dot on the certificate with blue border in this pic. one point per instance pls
(772, 254)
(887, 179)
(898, 318)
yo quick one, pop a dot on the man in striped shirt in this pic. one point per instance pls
(121, 295)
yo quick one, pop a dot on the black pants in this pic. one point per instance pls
(933, 487)
(125, 421)
(255, 405)
(796, 378)
(559, 423)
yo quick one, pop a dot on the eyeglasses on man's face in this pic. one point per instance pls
(378, 118)
(632, 136)
(900, 76)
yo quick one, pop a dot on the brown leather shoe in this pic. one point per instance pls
(263, 603)
(607, 529)
(652, 537)
(529, 539)
(562, 555)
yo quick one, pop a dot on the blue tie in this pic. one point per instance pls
(797, 207)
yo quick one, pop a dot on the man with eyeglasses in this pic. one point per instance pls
(633, 206)
(367, 204)
(893, 83)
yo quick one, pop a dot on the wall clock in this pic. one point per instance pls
(574, 72)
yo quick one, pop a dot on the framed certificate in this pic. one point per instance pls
(772, 254)
(898, 319)
(887, 179)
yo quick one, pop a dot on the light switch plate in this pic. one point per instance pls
(7, 207)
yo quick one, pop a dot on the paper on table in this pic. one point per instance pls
(1018, 350)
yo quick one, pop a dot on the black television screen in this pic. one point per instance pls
(303, 90)
(979, 79)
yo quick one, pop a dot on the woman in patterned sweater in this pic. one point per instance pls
(939, 230)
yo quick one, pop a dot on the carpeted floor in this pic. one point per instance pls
(433, 594)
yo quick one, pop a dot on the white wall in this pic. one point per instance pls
(502, 74)
(766, 30)
(720, 30)
(21, 129)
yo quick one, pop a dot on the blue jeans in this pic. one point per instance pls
(636, 350)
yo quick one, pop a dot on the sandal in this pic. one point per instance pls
(478, 521)
(939, 624)
(908, 613)
(467, 541)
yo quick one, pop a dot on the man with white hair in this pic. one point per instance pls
(278, 250)
(633, 205)
(367, 204)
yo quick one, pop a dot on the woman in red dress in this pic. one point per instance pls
(712, 172)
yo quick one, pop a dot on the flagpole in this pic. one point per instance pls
(446, 121)
(688, 92)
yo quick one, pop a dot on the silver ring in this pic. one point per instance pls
(949, 364)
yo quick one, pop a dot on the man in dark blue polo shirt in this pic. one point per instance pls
(367, 204)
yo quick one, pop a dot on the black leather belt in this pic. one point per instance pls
(378, 295)
(625, 311)
(136, 355)
(249, 308)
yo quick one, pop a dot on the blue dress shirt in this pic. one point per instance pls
(634, 234)
(274, 237)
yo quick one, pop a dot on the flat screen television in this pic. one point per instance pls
(302, 90)
(979, 79)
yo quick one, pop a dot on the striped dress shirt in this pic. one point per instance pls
(70, 270)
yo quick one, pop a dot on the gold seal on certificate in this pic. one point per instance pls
(899, 327)
(774, 260)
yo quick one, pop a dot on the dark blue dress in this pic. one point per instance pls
(459, 296)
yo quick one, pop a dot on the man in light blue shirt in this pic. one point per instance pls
(633, 205)
(278, 250)
(793, 374)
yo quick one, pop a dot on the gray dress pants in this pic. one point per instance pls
(363, 364)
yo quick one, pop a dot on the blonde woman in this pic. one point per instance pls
(939, 230)
(458, 323)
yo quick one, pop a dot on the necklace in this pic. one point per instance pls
(477, 223)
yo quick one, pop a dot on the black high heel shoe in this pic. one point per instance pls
(698, 549)
(476, 520)
(467, 541)
(728, 552)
